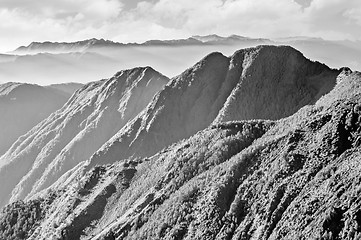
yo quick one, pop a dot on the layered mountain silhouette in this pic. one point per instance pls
(259, 179)
(96, 44)
(258, 145)
(94, 59)
(74, 132)
(65, 47)
(22, 106)
(69, 88)
(109, 120)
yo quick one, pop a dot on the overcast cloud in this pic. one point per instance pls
(24, 21)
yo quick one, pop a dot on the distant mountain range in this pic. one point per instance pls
(93, 44)
(94, 59)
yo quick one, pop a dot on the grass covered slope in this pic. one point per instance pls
(73, 133)
(22, 106)
(266, 82)
(117, 195)
(296, 178)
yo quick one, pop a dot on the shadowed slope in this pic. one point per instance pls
(22, 106)
(73, 133)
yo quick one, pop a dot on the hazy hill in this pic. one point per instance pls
(70, 87)
(294, 178)
(22, 106)
(94, 59)
(334, 53)
(7, 58)
(64, 47)
(45, 68)
(99, 44)
(73, 133)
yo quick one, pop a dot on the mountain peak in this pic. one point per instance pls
(61, 47)
(208, 38)
(89, 118)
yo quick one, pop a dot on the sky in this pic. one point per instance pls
(25, 21)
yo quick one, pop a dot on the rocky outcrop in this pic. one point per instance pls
(73, 133)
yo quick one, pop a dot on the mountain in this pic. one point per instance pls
(98, 44)
(95, 63)
(232, 39)
(208, 38)
(293, 177)
(64, 47)
(94, 59)
(7, 58)
(266, 82)
(328, 51)
(111, 120)
(73, 133)
(45, 68)
(66, 87)
(22, 106)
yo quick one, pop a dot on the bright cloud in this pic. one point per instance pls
(24, 21)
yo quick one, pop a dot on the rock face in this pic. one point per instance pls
(266, 82)
(295, 178)
(73, 133)
(22, 106)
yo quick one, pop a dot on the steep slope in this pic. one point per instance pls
(105, 121)
(295, 178)
(265, 82)
(299, 180)
(22, 106)
(288, 82)
(73, 133)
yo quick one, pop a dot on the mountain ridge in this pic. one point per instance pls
(236, 180)
(201, 112)
(88, 44)
(89, 117)
(197, 96)
(201, 158)
(18, 102)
